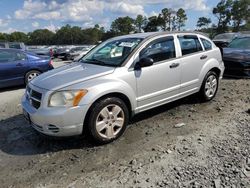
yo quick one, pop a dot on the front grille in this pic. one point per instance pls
(34, 97)
(53, 128)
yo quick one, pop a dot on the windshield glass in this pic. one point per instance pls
(229, 36)
(243, 43)
(112, 53)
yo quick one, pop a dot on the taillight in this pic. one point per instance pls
(50, 63)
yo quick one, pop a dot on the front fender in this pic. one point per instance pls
(100, 87)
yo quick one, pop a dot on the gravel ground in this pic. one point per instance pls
(182, 144)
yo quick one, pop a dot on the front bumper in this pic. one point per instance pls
(54, 121)
(237, 69)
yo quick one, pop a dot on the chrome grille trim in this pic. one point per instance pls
(33, 97)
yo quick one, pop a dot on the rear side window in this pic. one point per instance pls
(20, 56)
(160, 49)
(189, 44)
(207, 44)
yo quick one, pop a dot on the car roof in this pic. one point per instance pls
(154, 34)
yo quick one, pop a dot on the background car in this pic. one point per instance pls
(46, 51)
(222, 40)
(18, 67)
(76, 51)
(62, 53)
(14, 45)
(237, 57)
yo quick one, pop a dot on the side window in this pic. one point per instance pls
(207, 44)
(20, 57)
(160, 49)
(6, 56)
(2, 45)
(14, 45)
(189, 44)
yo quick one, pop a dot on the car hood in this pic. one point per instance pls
(240, 55)
(70, 74)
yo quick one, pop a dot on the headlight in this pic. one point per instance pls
(67, 98)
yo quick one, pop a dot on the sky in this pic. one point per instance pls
(28, 15)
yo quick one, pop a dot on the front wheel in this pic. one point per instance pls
(108, 120)
(209, 86)
(31, 75)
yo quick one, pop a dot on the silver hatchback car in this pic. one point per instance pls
(119, 78)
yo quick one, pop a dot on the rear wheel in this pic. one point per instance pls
(209, 86)
(31, 75)
(108, 120)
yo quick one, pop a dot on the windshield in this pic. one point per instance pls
(243, 43)
(112, 53)
(228, 36)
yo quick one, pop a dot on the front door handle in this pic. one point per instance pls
(174, 65)
(19, 64)
(203, 57)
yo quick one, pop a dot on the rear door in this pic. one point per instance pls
(192, 61)
(13, 66)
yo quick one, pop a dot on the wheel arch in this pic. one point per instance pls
(29, 70)
(119, 95)
(210, 65)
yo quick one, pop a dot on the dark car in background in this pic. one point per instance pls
(62, 53)
(236, 57)
(222, 40)
(18, 67)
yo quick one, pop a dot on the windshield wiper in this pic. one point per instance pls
(99, 62)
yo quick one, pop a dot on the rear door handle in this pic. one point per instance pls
(174, 65)
(203, 57)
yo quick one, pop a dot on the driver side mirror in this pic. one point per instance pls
(144, 62)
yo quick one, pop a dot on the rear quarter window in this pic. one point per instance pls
(207, 44)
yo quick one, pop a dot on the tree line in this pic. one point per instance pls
(232, 15)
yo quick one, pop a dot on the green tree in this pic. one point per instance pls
(18, 37)
(123, 25)
(41, 37)
(181, 18)
(223, 13)
(4, 37)
(140, 22)
(153, 24)
(203, 22)
(240, 13)
(166, 19)
(93, 35)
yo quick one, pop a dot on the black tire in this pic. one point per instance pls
(203, 89)
(94, 114)
(28, 74)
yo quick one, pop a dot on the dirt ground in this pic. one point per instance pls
(211, 149)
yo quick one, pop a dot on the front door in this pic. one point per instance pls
(159, 83)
